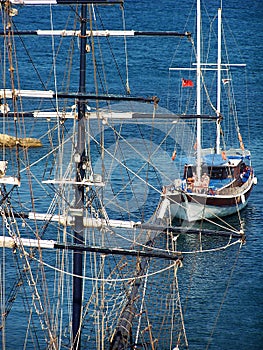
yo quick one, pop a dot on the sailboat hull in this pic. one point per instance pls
(197, 206)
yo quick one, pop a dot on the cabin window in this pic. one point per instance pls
(216, 173)
(219, 173)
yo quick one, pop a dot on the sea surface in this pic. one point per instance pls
(225, 307)
(240, 323)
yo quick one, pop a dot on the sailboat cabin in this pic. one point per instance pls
(216, 173)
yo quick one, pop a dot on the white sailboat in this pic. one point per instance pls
(216, 181)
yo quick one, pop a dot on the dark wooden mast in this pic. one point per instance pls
(80, 158)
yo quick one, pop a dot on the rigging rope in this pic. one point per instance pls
(224, 298)
(176, 264)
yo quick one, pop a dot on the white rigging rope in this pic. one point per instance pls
(175, 265)
(224, 247)
(136, 151)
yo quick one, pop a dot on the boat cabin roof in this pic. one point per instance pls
(231, 163)
(216, 161)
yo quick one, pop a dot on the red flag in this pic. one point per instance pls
(187, 83)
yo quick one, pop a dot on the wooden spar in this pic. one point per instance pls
(111, 115)
(118, 251)
(122, 334)
(97, 33)
(13, 242)
(99, 223)
(50, 94)
(122, 337)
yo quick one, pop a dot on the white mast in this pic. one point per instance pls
(198, 89)
(218, 107)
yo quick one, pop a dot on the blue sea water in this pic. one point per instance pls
(240, 322)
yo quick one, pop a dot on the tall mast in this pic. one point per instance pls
(218, 107)
(80, 159)
(198, 89)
